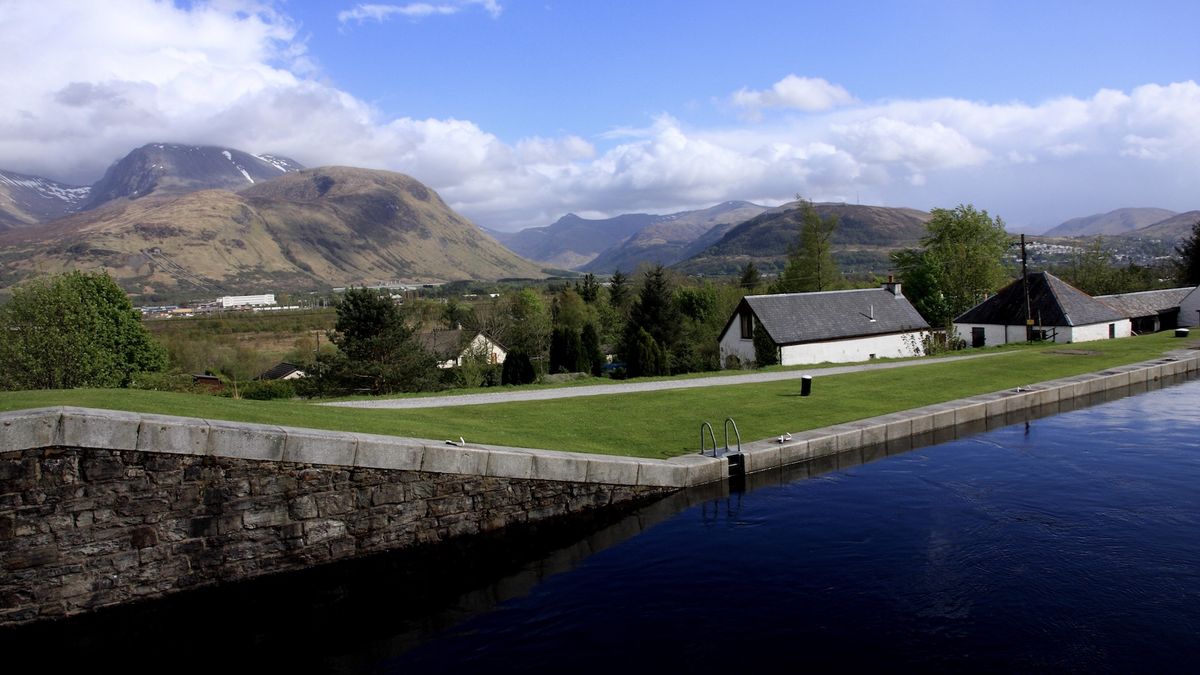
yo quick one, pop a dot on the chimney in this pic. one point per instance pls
(892, 286)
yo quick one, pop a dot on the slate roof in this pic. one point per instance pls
(447, 344)
(793, 318)
(279, 371)
(1146, 303)
(1052, 302)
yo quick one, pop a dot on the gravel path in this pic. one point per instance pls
(632, 387)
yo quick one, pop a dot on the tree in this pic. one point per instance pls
(592, 354)
(1189, 257)
(655, 313)
(811, 266)
(766, 352)
(750, 278)
(589, 289)
(517, 369)
(1091, 270)
(566, 351)
(618, 291)
(960, 262)
(74, 330)
(377, 351)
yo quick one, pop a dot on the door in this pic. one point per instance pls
(977, 336)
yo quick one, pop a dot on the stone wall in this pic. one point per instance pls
(83, 528)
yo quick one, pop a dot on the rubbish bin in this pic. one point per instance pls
(806, 385)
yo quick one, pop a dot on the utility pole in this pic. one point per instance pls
(1025, 285)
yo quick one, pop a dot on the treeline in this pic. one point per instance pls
(80, 330)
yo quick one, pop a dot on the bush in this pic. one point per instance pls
(264, 390)
(518, 369)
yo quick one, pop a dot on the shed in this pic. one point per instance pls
(1149, 311)
(1057, 311)
(828, 326)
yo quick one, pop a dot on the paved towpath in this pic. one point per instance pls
(635, 386)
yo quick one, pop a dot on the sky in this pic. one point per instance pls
(518, 112)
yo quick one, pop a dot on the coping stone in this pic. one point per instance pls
(454, 459)
(762, 459)
(1019, 402)
(241, 440)
(316, 446)
(700, 470)
(970, 412)
(29, 429)
(873, 433)
(508, 464)
(943, 415)
(901, 427)
(846, 437)
(657, 473)
(173, 435)
(559, 467)
(822, 446)
(794, 451)
(388, 452)
(1138, 375)
(107, 429)
(922, 420)
(612, 471)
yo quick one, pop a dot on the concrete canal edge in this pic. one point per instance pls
(100, 508)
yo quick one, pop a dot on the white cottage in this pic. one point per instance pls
(830, 326)
(1057, 311)
(452, 346)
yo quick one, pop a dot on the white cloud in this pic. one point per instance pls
(414, 10)
(112, 76)
(809, 94)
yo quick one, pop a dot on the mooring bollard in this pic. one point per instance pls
(806, 385)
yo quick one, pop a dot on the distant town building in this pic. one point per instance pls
(235, 301)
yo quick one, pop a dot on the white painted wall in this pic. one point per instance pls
(1188, 309)
(999, 335)
(856, 349)
(731, 343)
(494, 352)
(1099, 331)
(834, 351)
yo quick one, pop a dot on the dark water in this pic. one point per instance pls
(1073, 545)
(1068, 545)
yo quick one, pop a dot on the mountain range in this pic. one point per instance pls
(173, 219)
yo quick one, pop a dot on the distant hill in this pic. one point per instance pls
(1175, 228)
(1120, 221)
(674, 237)
(173, 169)
(866, 235)
(332, 226)
(571, 241)
(29, 200)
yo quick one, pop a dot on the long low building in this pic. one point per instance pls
(1054, 310)
(830, 326)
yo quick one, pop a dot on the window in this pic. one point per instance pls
(747, 326)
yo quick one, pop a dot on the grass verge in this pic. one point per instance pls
(650, 424)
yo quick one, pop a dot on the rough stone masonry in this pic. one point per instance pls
(87, 528)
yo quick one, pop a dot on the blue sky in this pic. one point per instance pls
(518, 112)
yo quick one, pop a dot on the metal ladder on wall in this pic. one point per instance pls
(719, 452)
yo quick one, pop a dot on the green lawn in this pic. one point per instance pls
(652, 424)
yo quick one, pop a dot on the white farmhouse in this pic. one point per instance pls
(1057, 311)
(830, 326)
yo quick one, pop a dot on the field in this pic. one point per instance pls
(651, 424)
